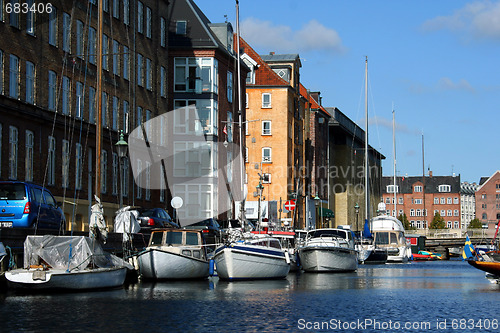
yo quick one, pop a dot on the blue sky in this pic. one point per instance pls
(438, 62)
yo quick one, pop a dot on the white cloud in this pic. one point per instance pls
(445, 83)
(313, 36)
(479, 19)
(382, 122)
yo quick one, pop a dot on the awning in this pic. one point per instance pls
(326, 213)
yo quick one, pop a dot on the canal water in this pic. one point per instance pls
(440, 296)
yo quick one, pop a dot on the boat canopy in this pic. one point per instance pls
(68, 252)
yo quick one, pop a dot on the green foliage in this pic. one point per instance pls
(437, 222)
(406, 224)
(475, 224)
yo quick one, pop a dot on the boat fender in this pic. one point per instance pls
(211, 267)
(287, 257)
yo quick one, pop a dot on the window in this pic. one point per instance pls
(92, 45)
(266, 127)
(51, 172)
(266, 178)
(78, 164)
(412, 212)
(66, 33)
(28, 160)
(400, 200)
(92, 103)
(436, 201)
(105, 51)
(455, 212)
(196, 75)
(444, 188)
(140, 17)
(30, 18)
(126, 63)
(138, 181)
(162, 190)
(483, 196)
(79, 39)
(114, 120)
(1, 69)
(148, 181)
(149, 75)
(125, 177)
(455, 201)
(266, 100)
(443, 201)
(65, 163)
(115, 174)
(126, 12)
(53, 27)
(79, 100)
(266, 155)
(116, 57)
(180, 27)
(148, 22)
(66, 93)
(13, 138)
(104, 109)
(484, 216)
(443, 212)
(163, 83)
(105, 5)
(138, 119)
(417, 188)
(125, 117)
(229, 87)
(14, 77)
(30, 82)
(163, 32)
(448, 224)
(418, 201)
(116, 8)
(14, 16)
(449, 212)
(390, 188)
(104, 170)
(139, 70)
(448, 201)
(52, 90)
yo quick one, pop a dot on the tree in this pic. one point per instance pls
(437, 222)
(406, 224)
(475, 224)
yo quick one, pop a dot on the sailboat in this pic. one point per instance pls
(74, 262)
(368, 251)
(246, 255)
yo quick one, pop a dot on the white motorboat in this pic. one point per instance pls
(174, 254)
(287, 241)
(329, 250)
(67, 263)
(251, 256)
(389, 234)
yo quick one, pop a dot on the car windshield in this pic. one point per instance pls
(12, 192)
(148, 212)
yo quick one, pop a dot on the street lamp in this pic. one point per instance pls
(316, 203)
(121, 147)
(356, 208)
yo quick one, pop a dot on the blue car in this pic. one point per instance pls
(27, 205)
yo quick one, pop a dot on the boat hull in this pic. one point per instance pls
(250, 262)
(492, 267)
(159, 264)
(57, 279)
(328, 259)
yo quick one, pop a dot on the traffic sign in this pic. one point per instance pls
(290, 205)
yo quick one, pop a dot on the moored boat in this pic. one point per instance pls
(67, 263)
(328, 250)
(287, 241)
(251, 256)
(174, 254)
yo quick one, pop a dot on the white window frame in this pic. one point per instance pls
(417, 188)
(267, 158)
(444, 188)
(390, 188)
(266, 104)
(268, 130)
(268, 176)
(126, 116)
(79, 99)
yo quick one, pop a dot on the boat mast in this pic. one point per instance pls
(98, 126)
(424, 214)
(240, 116)
(367, 185)
(394, 156)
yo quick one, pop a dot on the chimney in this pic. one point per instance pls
(271, 53)
(430, 173)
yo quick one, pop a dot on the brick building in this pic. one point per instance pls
(420, 202)
(488, 201)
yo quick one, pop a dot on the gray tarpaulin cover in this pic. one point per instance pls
(68, 252)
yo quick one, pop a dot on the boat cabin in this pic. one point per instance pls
(186, 242)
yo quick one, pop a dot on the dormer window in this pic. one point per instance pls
(390, 189)
(444, 188)
(180, 27)
(417, 188)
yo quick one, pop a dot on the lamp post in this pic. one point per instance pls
(121, 147)
(356, 209)
(259, 188)
(316, 203)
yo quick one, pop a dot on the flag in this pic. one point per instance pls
(468, 251)
(366, 230)
(224, 130)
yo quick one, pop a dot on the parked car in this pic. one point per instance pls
(27, 205)
(211, 231)
(151, 218)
